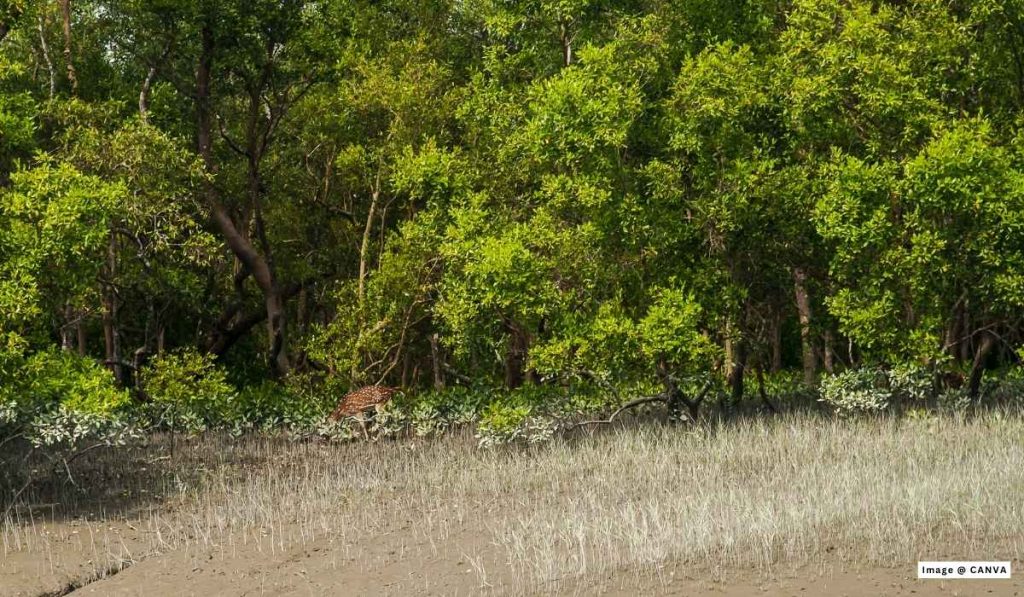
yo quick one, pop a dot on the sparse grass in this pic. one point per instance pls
(754, 493)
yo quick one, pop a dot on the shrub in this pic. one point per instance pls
(270, 405)
(187, 390)
(910, 383)
(432, 413)
(502, 423)
(871, 389)
(68, 428)
(531, 414)
(856, 391)
(58, 398)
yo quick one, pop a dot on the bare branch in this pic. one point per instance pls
(631, 404)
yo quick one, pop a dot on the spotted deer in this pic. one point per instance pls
(358, 403)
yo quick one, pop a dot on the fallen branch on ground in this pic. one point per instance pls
(624, 407)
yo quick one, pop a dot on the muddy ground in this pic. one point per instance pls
(390, 564)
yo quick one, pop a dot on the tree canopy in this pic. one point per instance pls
(427, 193)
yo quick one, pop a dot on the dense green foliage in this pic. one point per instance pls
(243, 209)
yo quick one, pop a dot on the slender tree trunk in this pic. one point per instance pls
(364, 256)
(515, 357)
(435, 361)
(109, 353)
(776, 338)
(364, 248)
(406, 365)
(276, 324)
(111, 333)
(954, 329)
(45, 47)
(147, 84)
(736, 372)
(727, 349)
(303, 317)
(762, 392)
(305, 311)
(828, 352)
(144, 352)
(965, 325)
(66, 330)
(566, 39)
(803, 307)
(985, 347)
(80, 330)
(65, 13)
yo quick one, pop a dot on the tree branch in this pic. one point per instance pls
(631, 404)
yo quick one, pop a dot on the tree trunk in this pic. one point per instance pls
(66, 341)
(406, 364)
(276, 321)
(828, 352)
(776, 338)
(303, 317)
(951, 344)
(965, 325)
(762, 392)
(985, 347)
(435, 361)
(675, 399)
(147, 84)
(803, 307)
(736, 371)
(65, 13)
(108, 333)
(364, 251)
(256, 263)
(515, 358)
(566, 39)
(274, 297)
(80, 330)
(364, 248)
(231, 327)
(111, 333)
(727, 349)
(45, 47)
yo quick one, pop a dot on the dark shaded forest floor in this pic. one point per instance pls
(792, 505)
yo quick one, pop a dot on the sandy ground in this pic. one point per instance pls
(391, 564)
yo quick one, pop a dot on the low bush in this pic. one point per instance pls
(57, 398)
(59, 404)
(875, 389)
(187, 391)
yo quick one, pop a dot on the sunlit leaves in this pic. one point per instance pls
(53, 225)
(915, 240)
